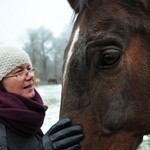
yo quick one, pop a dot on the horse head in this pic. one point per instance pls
(106, 73)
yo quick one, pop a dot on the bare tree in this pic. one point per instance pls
(39, 45)
(46, 52)
(58, 52)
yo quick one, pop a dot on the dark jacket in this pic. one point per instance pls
(9, 140)
(20, 123)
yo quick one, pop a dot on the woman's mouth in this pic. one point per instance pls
(28, 86)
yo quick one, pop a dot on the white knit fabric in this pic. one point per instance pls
(10, 58)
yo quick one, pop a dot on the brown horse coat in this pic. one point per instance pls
(106, 73)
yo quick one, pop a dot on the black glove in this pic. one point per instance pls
(63, 136)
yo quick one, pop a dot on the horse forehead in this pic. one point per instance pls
(91, 5)
(98, 13)
(112, 14)
(70, 51)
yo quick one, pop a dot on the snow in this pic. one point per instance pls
(51, 97)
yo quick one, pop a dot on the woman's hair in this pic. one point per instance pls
(2, 88)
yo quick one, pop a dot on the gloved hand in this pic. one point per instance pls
(63, 136)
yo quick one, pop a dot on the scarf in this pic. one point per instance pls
(24, 116)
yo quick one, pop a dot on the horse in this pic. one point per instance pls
(106, 73)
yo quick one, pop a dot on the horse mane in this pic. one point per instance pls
(81, 4)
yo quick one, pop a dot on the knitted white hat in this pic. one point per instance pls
(10, 58)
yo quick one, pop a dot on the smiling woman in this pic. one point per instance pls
(20, 81)
(16, 75)
(22, 110)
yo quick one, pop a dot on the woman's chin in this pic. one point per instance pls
(30, 93)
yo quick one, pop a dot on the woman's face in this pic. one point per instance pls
(20, 81)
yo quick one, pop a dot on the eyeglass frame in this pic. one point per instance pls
(24, 72)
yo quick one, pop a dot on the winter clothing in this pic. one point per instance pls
(63, 136)
(13, 141)
(21, 119)
(10, 58)
(21, 114)
(3, 142)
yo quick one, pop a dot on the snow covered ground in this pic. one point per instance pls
(51, 95)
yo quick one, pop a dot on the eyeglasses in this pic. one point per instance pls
(22, 73)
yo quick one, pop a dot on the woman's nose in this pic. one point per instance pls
(29, 74)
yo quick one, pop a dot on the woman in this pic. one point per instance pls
(22, 111)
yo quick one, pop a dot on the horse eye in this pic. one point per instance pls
(109, 59)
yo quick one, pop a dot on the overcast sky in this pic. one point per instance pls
(17, 16)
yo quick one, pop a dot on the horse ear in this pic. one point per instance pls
(74, 5)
